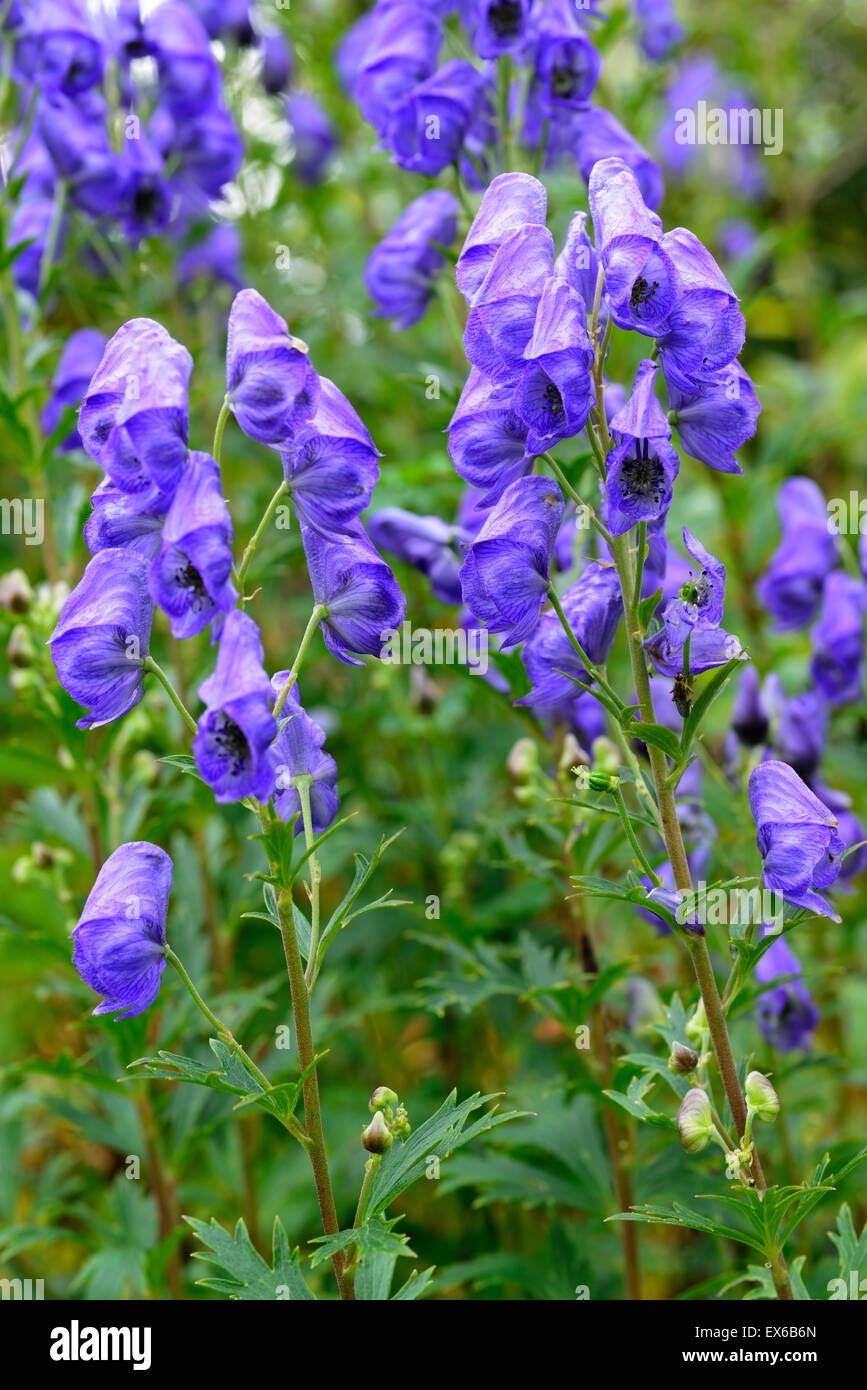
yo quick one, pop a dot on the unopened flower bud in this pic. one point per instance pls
(381, 1098)
(694, 1121)
(682, 1060)
(20, 650)
(523, 759)
(606, 755)
(377, 1138)
(761, 1097)
(15, 592)
(585, 780)
(697, 1026)
(43, 857)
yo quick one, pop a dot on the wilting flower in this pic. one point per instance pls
(596, 134)
(715, 417)
(553, 396)
(696, 615)
(426, 129)
(792, 585)
(358, 591)
(134, 418)
(237, 728)
(506, 573)
(503, 314)
(297, 751)
(102, 635)
(120, 937)
(785, 1013)
(191, 577)
(510, 202)
(331, 469)
(838, 639)
(487, 437)
(313, 137)
(401, 271)
(641, 280)
(798, 837)
(271, 387)
(593, 606)
(567, 66)
(129, 520)
(642, 466)
(78, 362)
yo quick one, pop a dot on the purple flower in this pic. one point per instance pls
(331, 469)
(401, 271)
(102, 635)
(188, 72)
(501, 26)
(120, 937)
(147, 197)
(695, 614)
(313, 136)
(593, 606)
(79, 360)
(708, 647)
(553, 397)
(838, 639)
(401, 43)
(358, 591)
(716, 416)
(706, 328)
(426, 542)
(785, 1013)
(58, 49)
(237, 728)
(217, 257)
(76, 139)
(658, 27)
(799, 737)
(426, 129)
(125, 520)
(597, 135)
(503, 314)
(506, 573)
(297, 752)
(271, 387)
(510, 203)
(191, 577)
(642, 283)
(208, 152)
(850, 830)
(642, 466)
(567, 66)
(487, 437)
(751, 717)
(30, 223)
(798, 839)
(277, 62)
(576, 263)
(792, 585)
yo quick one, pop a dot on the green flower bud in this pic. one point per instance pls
(400, 1125)
(16, 594)
(585, 780)
(377, 1138)
(381, 1098)
(20, 651)
(697, 1025)
(682, 1060)
(43, 857)
(762, 1099)
(694, 1121)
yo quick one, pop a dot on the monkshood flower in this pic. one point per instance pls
(31, 221)
(785, 1013)
(426, 542)
(207, 152)
(799, 736)
(576, 263)
(849, 828)
(297, 751)
(426, 129)
(190, 579)
(331, 468)
(751, 715)
(237, 728)
(217, 257)
(357, 590)
(596, 134)
(798, 838)
(188, 72)
(511, 202)
(120, 937)
(101, 639)
(696, 614)
(57, 49)
(278, 62)
(709, 647)
(838, 639)
(78, 144)
(506, 573)
(716, 416)
(642, 466)
(567, 66)
(79, 360)
(641, 279)
(501, 320)
(501, 26)
(554, 395)
(706, 328)
(127, 520)
(400, 46)
(313, 137)
(487, 437)
(401, 272)
(658, 28)
(134, 419)
(146, 206)
(271, 388)
(592, 606)
(791, 588)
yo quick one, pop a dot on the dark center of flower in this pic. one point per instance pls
(147, 201)
(696, 590)
(505, 19)
(552, 402)
(642, 293)
(231, 742)
(188, 577)
(564, 78)
(644, 478)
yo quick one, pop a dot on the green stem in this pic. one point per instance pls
(595, 671)
(150, 665)
(505, 76)
(633, 838)
(254, 540)
(570, 492)
(217, 448)
(302, 785)
(319, 612)
(53, 235)
(370, 1168)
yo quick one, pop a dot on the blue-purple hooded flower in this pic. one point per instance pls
(658, 27)
(314, 139)
(798, 838)
(786, 1015)
(75, 136)
(501, 321)
(401, 271)
(400, 46)
(597, 134)
(31, 221)
(751, 712)
(642, 283)
(356, 587)
(499, 26)
(850, 829)
(427, 128)
(593, 607)
(428, 543)
(271, 388)
(79, 360)
(799, 732)
(190, 579)
(506, 573)
(791, 588)
(510, 203)
(188, 72)
(554, 394)
(695, 614)
(487, 437)
(577, 263)
(331, 469)
(134, 419)
(237, 728)
(706, 329)
(716, 416)
(642, 466)
(838, 639)
(120, 937)
(297, 751)
(567, 66)
(102, 636)
(126, 520)
(58, 49)
(216, 257)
